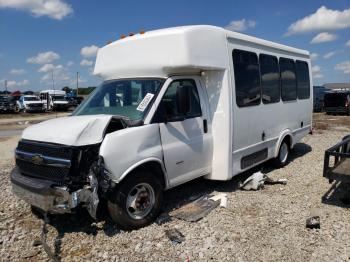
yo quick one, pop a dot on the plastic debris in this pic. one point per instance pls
(258, 180)
(313, 222)
(175, 236)
(222, 197)
(197, 209)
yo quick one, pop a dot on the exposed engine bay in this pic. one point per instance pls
(57, 178)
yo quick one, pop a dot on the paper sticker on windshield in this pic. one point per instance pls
(145, 101)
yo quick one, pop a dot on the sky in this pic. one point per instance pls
(38, 37)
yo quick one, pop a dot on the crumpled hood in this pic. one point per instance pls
(71, 131)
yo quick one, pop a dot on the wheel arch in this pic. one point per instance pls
(154, 164)
(286, 134)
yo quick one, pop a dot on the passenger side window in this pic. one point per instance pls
(247, 78)
(270, 79)
(180, 101)
(288, 79)
(303, 80)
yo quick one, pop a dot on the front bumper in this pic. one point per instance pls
(45, 195)
(336, 109)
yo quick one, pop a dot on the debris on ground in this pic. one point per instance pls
(175, 236)
(163, 218)
(222, 197)
(314, 220)
(258, 180)
(197, 209)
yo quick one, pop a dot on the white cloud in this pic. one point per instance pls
(86, 62)
(56, 9)
(17, 71)
(49, 68)
(344, 66)
(313, 56)
(348, 43)
(89, 51)
(70, 63)
(13, 83)
(322, 19)
(43, 58)
(323, 37)
(329, 55)
(240, 25)
(316, 72)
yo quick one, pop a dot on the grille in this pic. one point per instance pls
(46, 149)
(41, 171)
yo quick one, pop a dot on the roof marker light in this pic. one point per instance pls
(131, 34)
(142, 32)
(122, 36)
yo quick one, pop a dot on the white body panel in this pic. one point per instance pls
(184, 150)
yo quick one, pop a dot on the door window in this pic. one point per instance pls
(180, 101)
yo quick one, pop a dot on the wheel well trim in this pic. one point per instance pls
(142, 162)
(283, 135)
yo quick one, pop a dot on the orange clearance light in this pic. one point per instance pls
(142, 32)
(122, 36)
(131, 34)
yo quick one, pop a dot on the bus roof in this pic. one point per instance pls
(174, 50)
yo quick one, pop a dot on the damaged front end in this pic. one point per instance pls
(57, 178)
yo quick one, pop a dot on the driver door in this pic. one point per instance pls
(183, 124)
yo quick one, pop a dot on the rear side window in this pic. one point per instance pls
(247, 78)
(270, 79)
(288, 79)
(303, 80)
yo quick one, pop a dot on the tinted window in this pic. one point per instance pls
(303, 80)
(247, 78)
(288, 80)
(270, 79)
(170, 102)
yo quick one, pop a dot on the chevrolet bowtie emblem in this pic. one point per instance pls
(37, 159)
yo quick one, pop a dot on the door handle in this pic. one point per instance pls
(205, 126)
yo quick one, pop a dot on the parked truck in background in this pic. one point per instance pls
(184, 102)
(30, 103)
(337, 102)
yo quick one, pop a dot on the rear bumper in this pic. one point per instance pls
(45, 195)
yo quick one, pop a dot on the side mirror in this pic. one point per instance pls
(183, 99)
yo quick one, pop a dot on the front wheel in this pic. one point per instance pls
(283, 154)
(136, 202)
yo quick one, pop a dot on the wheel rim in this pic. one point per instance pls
(283, 153)
(140, 201)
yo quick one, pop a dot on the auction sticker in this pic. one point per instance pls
(145, 101)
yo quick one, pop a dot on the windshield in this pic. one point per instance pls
(130, 98)
(58, 98)
(31, 98)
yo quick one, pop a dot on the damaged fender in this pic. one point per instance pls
(124, 150)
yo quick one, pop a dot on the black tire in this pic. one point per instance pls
(117, 203)
(281, 160)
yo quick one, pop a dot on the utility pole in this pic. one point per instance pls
(77, 83)
(53, 81)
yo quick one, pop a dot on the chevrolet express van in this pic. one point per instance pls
(174, 105)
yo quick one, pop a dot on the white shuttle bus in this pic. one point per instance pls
(175, 104)
(54, 99)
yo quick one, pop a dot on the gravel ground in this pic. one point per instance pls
(265, 225)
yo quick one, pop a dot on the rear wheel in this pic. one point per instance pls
(283, 154)
(137, 201)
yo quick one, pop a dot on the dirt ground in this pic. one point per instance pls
(264, 225)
